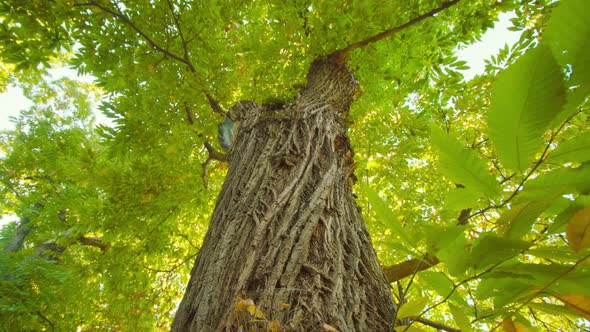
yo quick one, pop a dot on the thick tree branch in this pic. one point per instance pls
(405, 269)
(213, 155)
(22, 230)
(341, 56)
(214, 104)
(94, 242)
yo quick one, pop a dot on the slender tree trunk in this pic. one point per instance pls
(286, 232)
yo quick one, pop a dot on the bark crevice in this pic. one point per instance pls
(286, 231)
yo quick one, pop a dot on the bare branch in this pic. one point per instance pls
(341, 56)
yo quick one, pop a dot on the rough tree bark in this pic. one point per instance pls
(286, 231)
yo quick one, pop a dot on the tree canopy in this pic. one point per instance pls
(475, 192)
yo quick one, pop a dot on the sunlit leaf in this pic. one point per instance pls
(525, 98)
(460, 318)
(461, 165)
(575, 150)
(520, 218)
(412, 308)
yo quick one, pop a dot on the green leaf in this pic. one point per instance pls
(562, 180)
(412, 308)
(387, 216)
(521, 217)
(568, 35)
(525, 98)
(576, 149)
(459, 198)
(460, 318)
(490, 249)
(461, 165)
(454, 256)
(553, 309)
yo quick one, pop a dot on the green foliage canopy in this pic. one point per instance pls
(488, 175)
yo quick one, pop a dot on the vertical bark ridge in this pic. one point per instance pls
(286, 231)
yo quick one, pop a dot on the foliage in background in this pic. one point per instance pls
(489, 176)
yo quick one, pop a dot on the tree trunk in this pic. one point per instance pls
(286, 232)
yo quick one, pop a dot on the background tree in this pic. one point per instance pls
(118, 212)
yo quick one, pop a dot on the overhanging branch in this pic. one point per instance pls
(405, 269)
(119, 15)
(341, 56)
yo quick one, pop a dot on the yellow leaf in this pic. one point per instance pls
(578, 230)
(285, 306)
(329, 328)
(511, 326)
(255, 312)
(274, 326)
(243, 305)
(578, 303)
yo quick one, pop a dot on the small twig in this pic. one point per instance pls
(189, 115)
(177, 23)
(544, 288)
(538, 163)
(213, 155)
(50, 323)
(436, 325)
(174, 267)
(119, 14)
(214, 104)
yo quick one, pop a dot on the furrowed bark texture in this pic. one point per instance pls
(286, 231)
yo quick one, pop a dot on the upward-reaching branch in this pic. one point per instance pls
(341, 56)
(119, 15)
(183, 59)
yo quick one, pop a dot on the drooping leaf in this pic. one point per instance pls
(562, 219)
(491, 249)
(461, 165)
(460, 318)
(384, 213)
(575, 150)
(578, 230)
(552, 309)
(525, 98)
(459, 198)
(562, 180)
(568, 35)
(520, 218)
(412, 308)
